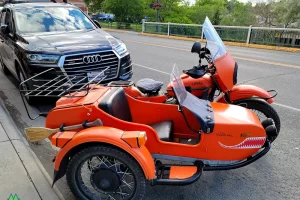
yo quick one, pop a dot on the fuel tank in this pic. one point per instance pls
(200, 87)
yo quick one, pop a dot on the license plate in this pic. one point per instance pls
(92, 75)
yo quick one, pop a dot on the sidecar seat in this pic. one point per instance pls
(115, 103)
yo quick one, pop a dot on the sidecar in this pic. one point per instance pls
(141, 142)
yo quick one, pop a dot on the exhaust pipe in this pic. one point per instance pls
(271, 131)
(267, 122)
(270, 128)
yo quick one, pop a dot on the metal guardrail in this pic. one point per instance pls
(247, 34)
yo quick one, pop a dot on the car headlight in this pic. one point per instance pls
(42, 58)
(121, 49)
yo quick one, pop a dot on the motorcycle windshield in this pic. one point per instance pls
(225, 65)
(200, 108)
(214, 42)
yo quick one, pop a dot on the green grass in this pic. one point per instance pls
(123, 26)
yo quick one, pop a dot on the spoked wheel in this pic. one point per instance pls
(263, 111)
(101, 172)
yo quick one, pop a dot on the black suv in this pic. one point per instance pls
(38, 36)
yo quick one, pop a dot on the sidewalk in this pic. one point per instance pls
(20, 172)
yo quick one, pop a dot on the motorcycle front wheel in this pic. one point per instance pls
(262, 109)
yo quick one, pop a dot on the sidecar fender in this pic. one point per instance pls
(72, 142)
(240, 92)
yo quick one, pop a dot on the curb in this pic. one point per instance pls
(49, 179)
(258, 46)
(35, 158)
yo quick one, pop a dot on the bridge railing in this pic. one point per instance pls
(246, 34)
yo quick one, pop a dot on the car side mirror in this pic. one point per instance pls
(4, 29)
(196, 48)
(97, 23)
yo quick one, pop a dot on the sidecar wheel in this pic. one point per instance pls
(103, 172)
(263, 110)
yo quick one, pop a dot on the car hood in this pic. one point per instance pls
(68, 42)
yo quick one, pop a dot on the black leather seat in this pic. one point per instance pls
(115, 103)
(148, 85)
(164, 130)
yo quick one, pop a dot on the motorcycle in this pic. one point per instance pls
(114, 145)
(215, 81)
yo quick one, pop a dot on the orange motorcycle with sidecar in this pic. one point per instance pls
(113, 145)
(205, 81)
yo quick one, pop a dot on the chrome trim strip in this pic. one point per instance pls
(85, 65)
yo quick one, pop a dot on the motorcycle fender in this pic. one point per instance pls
(239, 92)
(71, 142)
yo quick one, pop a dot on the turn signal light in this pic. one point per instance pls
(142, 139)
(134, 139)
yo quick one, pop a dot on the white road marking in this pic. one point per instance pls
(288, 107)
(151, 69)
(236, 57)
(277, 104)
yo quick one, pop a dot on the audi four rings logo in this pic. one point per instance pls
(92, 59)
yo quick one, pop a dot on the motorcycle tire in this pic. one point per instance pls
(261, 106)
(105, 176)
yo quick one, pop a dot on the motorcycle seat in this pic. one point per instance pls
(164, 130)
(148, 85)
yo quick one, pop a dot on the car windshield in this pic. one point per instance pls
(214, 42)
(50, 19)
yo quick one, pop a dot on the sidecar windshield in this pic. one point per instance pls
(200, 108)
(214, 42)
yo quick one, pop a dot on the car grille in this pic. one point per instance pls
(74, 65)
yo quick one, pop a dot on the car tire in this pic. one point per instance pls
(30, 100)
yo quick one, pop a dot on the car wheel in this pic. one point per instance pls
(25, 87)
(4, 68)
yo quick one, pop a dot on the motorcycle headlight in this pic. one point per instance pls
(42, 58)
(121, 49)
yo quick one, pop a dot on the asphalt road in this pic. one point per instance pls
(275, 176)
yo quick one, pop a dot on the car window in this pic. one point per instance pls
(8, 20)
(50, 19)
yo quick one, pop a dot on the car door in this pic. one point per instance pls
(2, 38)
(9, 43)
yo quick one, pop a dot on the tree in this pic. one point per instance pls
(241, 15)
(94, 5)
(125, 10)
(214, 9)
(288, 12)
(265, 13)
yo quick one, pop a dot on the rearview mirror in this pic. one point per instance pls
(196, 48)
(4, 29)
(97, 23)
